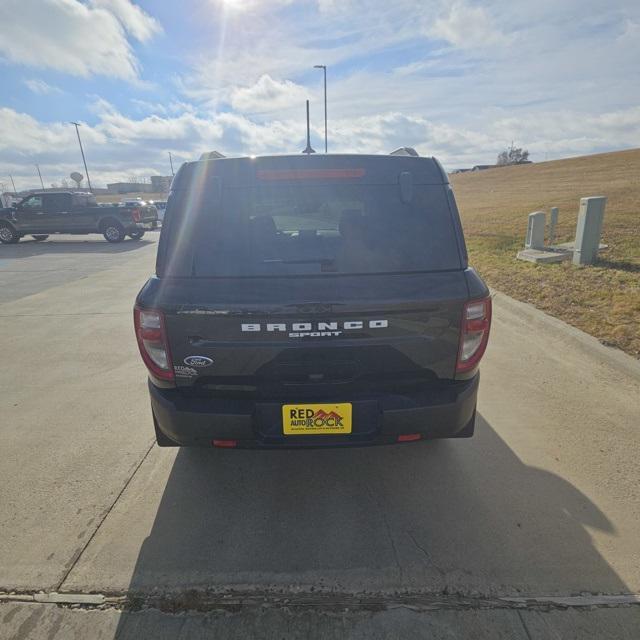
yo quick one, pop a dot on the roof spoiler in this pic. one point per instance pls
(211, 155)
(405, 151)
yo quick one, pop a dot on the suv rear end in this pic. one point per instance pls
(312, 301)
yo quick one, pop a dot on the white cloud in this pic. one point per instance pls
(40, 87)
(466, 26)
(80, 39)
(118, 146)
(267, 95)
(133, 19)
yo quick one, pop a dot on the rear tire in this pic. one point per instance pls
(113, 231)
(136, 235)
(8, 235)
(40, 237)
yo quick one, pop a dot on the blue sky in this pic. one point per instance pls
(455, 78)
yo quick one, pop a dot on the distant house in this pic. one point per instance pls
(483, 167)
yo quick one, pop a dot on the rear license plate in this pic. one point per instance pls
(316, 419)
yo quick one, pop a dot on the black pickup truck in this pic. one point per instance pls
(41, 214)
(312, 301)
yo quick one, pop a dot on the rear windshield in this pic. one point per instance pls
(307, 230)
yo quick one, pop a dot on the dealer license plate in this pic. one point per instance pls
(316, 419)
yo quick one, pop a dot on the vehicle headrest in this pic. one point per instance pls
(351, 221)
(263, 226)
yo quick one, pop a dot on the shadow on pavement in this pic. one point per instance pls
(464, 517)
(84, 244)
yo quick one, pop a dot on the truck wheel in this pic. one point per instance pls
(113, 231)
(8, 235)
(136, 235)
(40, 237)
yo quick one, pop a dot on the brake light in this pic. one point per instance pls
(474, 333)
(152, 342)
(136, 214)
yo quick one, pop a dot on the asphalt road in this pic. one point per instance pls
(483, 537)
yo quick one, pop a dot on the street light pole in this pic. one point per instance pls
(42, 183)
(76, 125)
(171, 163)
(324, 69)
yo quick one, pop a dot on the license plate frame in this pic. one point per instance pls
(323, 418)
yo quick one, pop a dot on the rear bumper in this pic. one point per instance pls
(143, 226)
(448, 412)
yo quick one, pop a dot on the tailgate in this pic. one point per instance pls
(274, 337)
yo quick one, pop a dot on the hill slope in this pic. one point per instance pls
(603, 300)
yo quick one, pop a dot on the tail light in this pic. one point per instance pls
(152, 342)
(136, 214)
(474, 333)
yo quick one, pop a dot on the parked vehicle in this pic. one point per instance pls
(161, 206)
(312, 301)
(41, 214)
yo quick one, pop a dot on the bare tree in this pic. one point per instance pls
(512, 155)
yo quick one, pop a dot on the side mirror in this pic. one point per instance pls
(405, 182)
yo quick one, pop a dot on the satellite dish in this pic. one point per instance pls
(77, 177)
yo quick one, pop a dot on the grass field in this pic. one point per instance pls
(604, 299)
(115, 197)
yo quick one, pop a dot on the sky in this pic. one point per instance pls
(456, 79)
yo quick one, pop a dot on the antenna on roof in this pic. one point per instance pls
(405, 151)
(309, 148)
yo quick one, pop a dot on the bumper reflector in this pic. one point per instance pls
(226, 444)
(409, 437)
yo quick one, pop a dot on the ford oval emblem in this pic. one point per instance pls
(198, 361)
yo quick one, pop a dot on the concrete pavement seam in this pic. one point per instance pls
(524, 624)
(319, 601)
(104, 517)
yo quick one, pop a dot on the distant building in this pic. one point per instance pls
(483, 167)
(158, 184)
(129, 187)
(161, 184)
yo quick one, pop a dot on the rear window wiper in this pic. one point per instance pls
(322, 261)
(326, 264)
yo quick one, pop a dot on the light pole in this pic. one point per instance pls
(39, 174)
(76, 125)
(324, 69)
(171, 163)
(13, 184)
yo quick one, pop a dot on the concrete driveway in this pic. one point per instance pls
(529, 529)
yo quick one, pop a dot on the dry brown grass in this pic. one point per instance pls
(117, 197)
(603, 300)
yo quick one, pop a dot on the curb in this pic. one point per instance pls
(560, 330)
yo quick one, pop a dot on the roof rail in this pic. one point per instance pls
(405, 151)
(211, 155)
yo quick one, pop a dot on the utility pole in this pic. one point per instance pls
(76, 125)
(40, 175)
(309, 148)
(13, 183)
(324, 69)
(171, 163)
